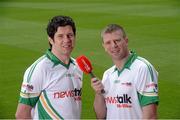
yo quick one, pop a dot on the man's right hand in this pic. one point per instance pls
(97, 86)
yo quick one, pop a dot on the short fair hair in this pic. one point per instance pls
(112, 28)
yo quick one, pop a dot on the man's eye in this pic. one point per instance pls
(70, 35)
(118, 40)
(60, 36)
(107, 43)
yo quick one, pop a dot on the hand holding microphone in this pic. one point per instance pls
(97, 85)
(85, 65)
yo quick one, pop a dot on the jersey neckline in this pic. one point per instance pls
(55, 60)
(128, 63)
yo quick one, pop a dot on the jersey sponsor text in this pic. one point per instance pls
(122, 101)
(76, 93)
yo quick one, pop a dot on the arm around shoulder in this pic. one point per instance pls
(23, 111)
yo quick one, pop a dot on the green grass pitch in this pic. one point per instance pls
(153, 28)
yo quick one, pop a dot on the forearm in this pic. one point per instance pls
(152, 116)
(23, 112)
(100, 106)
(23, 116)
(149, 111)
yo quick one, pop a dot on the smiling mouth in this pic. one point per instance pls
(67, 46)
(115, 51)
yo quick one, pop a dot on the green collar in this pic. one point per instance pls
(128, 63)
(55, 60)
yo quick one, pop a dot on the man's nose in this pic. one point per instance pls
(114, 43)
(66, 38)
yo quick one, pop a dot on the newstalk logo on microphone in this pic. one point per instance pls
(86, 66)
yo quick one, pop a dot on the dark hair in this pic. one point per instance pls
(111, 28)
(58, 21)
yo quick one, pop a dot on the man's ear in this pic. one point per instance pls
(50, 40)
(126, 39)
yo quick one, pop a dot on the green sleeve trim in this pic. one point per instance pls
(146, 100)
(29, 101)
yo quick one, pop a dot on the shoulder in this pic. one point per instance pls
(142, 63)
(144, 67)
(34, 75)
(40, 64)
(110, 70)
(142, 60)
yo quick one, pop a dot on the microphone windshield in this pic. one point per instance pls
(84, 64)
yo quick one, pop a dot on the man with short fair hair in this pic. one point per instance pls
(130, 85)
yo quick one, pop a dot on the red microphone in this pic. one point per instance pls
(85, 65)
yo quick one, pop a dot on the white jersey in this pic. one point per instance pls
(52, 88)
(128, 90)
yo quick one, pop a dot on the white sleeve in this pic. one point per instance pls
(147, 80)
(33, 80)
(32, 85)
(146, 84)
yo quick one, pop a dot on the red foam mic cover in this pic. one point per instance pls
(84, 64)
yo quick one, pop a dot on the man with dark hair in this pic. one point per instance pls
(51, 87)
(130, 85)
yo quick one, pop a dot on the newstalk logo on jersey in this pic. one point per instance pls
(76, 94)
(121, 101)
